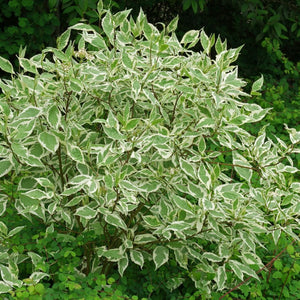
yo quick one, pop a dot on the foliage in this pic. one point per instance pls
(130, 148)
(280, 279)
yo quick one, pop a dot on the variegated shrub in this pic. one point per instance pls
(131, 135)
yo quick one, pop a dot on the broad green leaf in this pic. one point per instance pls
(201, 145)
(8, 277)
(35, 258)
(82, 26)
(235, 266)
(221, 277)
(74, 201)
(160, 256)
(178, 226)
(62, 40)
(80, 180)
(248, 240)
(100, 7)
(4, 287)
(29, 113)
(183, 204)
(107, 25)
(190, 37)
(86, 212)
(49, 141)
(173, 25)
(152, 221)
(131, 124)
(6, 66)
(71, 191)
(5, 167)
(181, 257)
(125, 184)
(204, 176)
(19, 150)
(204, 39)
(137, 257)
(113, 133)
(276, 234)
(212, 257)
(38, 276)
(27, 65)
(127, 61)
(33, 161)
(144, 238)
(187, 168)
(150, 187)
(3, 228)
(37, 194)
(2, 207)
(122, 264)
(75, 153)
(115, 220)
(113, 254)
(45, 182)
(242, 166)
(257, 84)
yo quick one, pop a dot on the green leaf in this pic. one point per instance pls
(6, 66)
(245, 171)
(125, 184)
(86, 212)
(4, 288)
(160, 256)
(131, 124)
(221, 277)
(75, 153)
(107, 25)
(126, 60)
(256, 86)
(201, 145)
(100, 7)
(173, 25)
(113, 133)
(204, 176)
(204, 39)
(37, 194)
(122, 264)
(5, 167)
(48, 141)
(3, 228)
(235, 266)
(113, 254)
(115, 220)
(82, 26)
(212, 257)
(2, 207)
(152, 221)
(144, 238)
(137, 257)
(190, 37)
(187, 168)
(183, 204)
(62, 40)
(30, 112)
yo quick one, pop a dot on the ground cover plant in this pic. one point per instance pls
(128, 149)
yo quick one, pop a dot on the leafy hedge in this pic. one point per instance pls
(130, 149)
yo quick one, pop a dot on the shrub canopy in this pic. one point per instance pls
(133, 137)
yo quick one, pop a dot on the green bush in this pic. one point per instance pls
(129, 148)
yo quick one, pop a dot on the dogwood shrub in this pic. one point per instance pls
(131, 136)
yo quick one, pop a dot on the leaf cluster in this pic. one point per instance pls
(133, 147)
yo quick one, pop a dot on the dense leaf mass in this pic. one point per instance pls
(134, 138)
